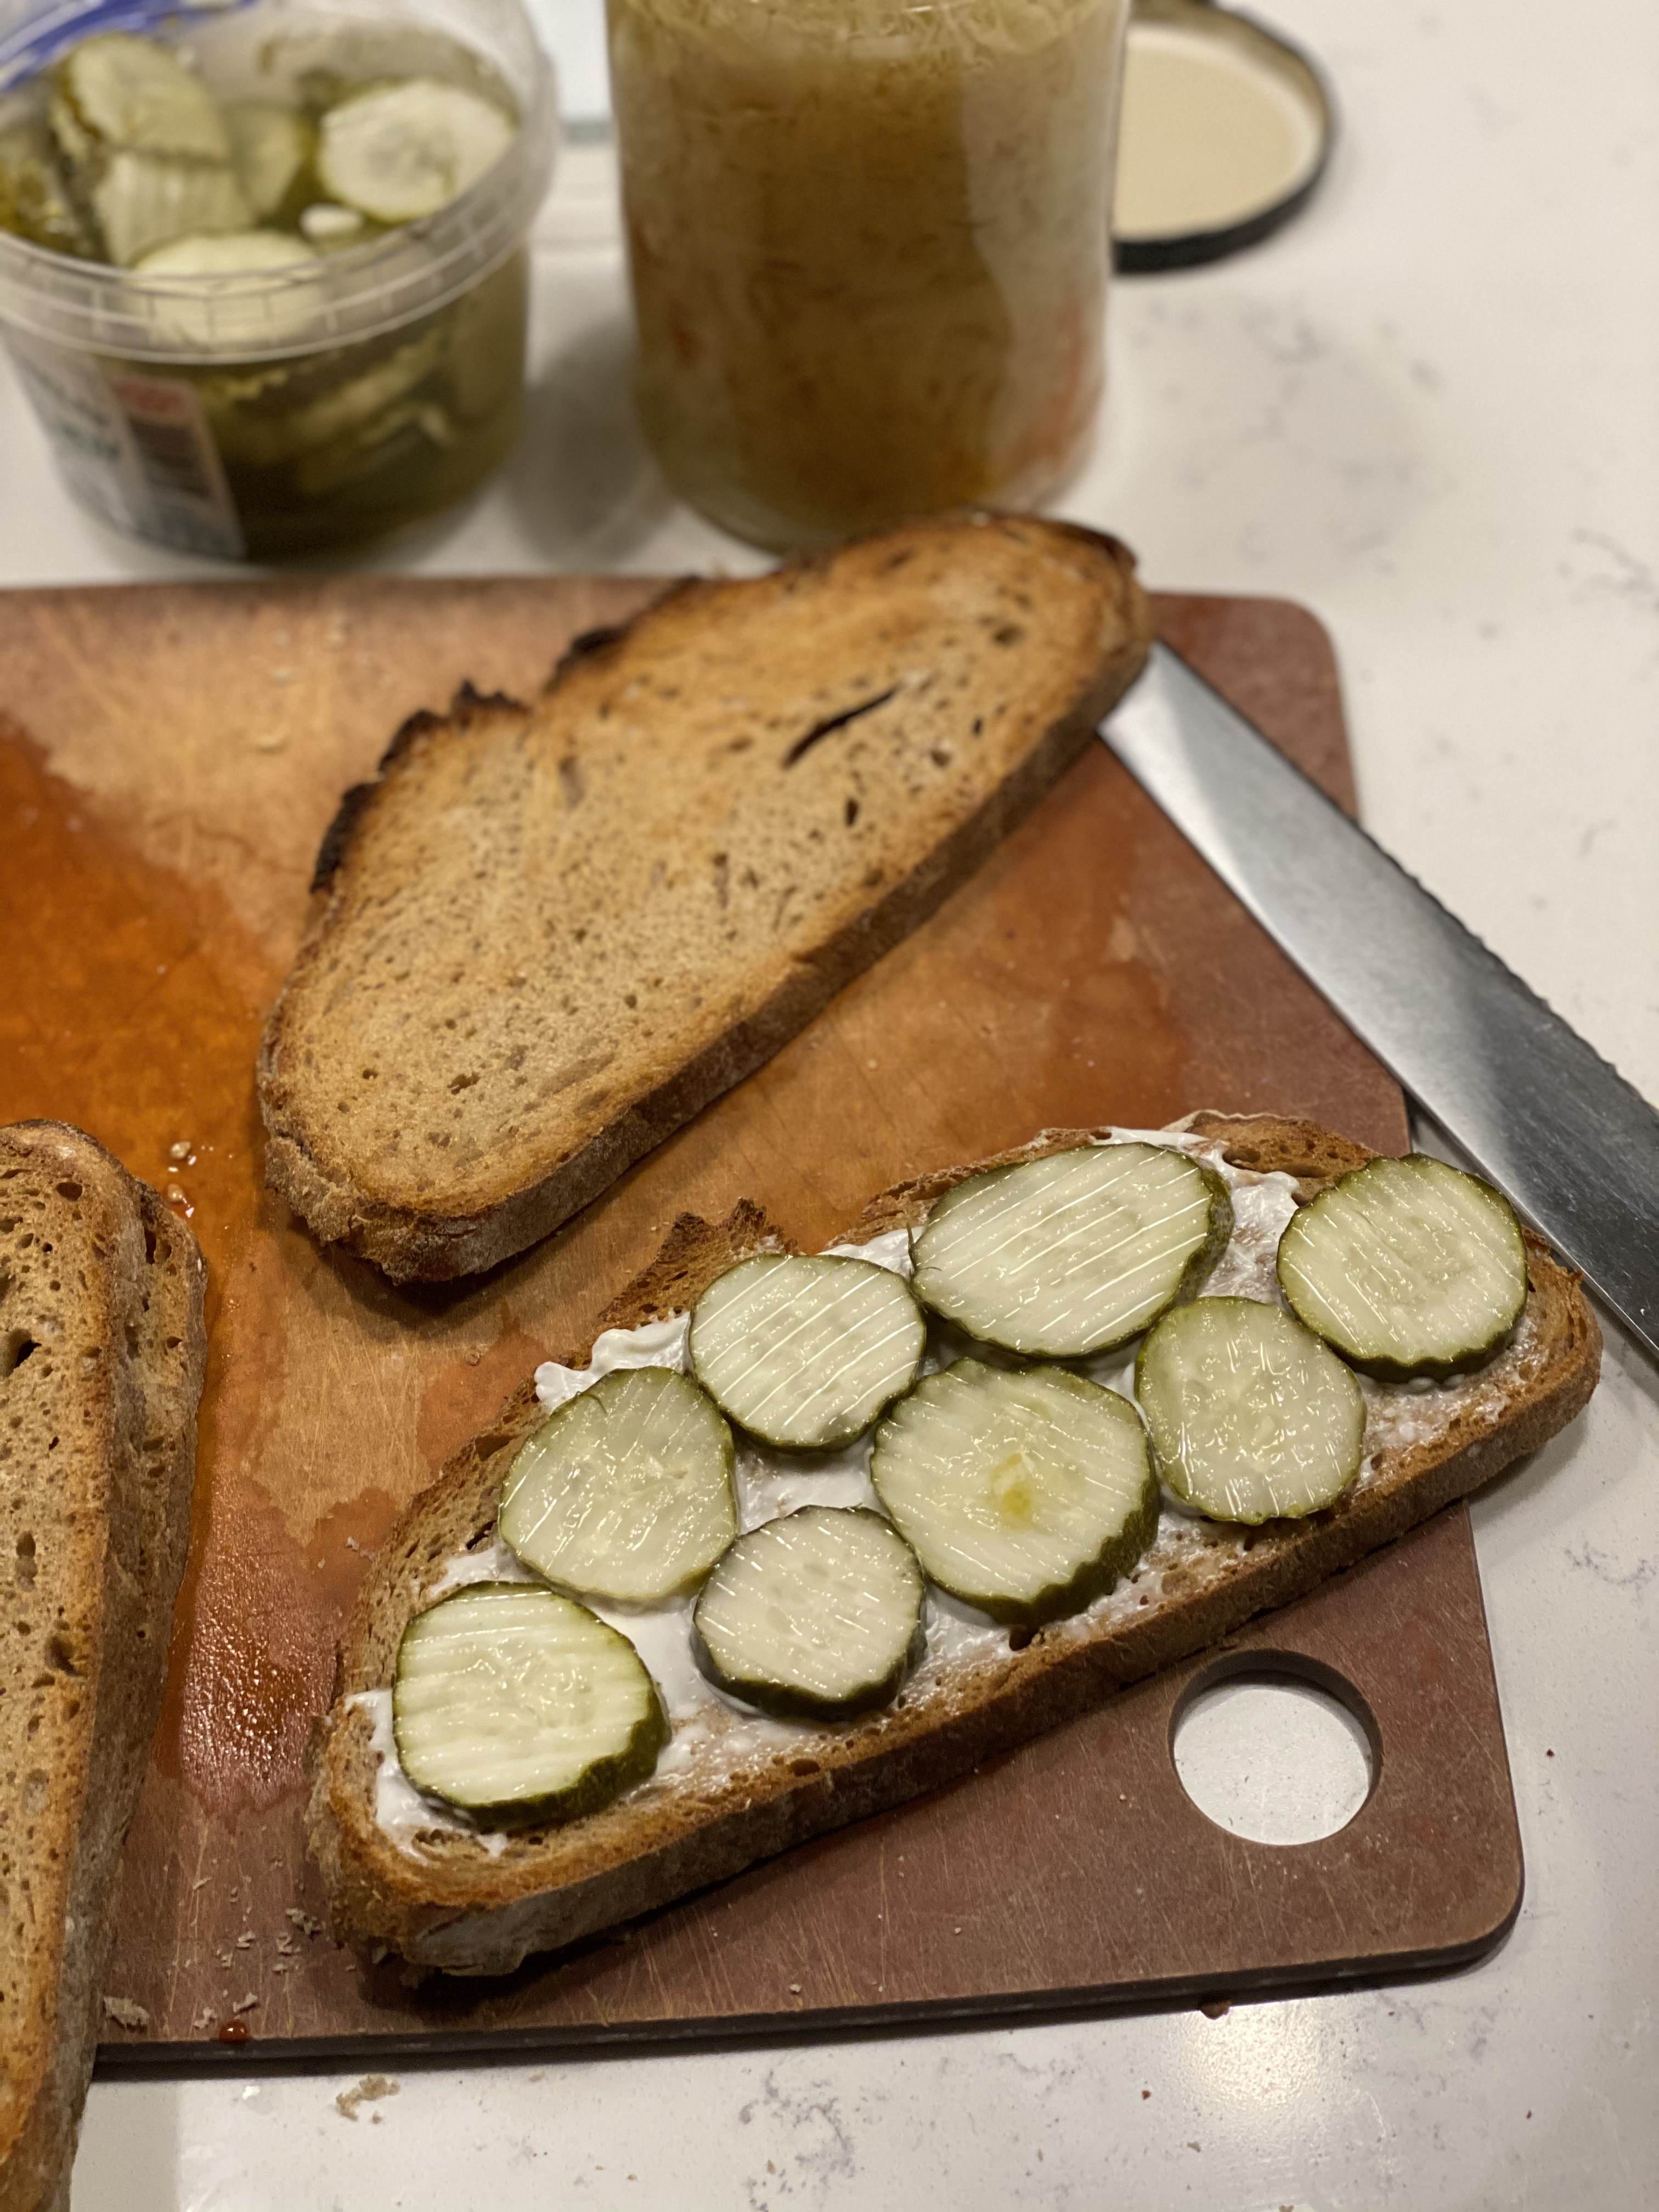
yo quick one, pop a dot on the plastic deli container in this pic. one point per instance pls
(294, 412)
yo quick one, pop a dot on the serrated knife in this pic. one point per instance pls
(1571, 1145)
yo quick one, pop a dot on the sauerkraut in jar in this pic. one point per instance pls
(869, 241)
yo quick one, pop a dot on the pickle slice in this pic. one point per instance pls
(142, 201)
(814, 1616)
(1074, 1253)
(327, 225)
(395, 152)
(407, 434)
(326, 409)
(227, 253)
(1251, 1418)
(1407, 1268)
(625, 1493)
(804, 1351)
(1026, 1491)
(35, 200)
(232, 312)
(127, 92)
(517, 1705)
(271, 150)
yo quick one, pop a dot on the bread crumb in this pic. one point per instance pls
(368, 2091)
(246, 2003)
(245, 1940)
(205, 2018)
(794, 1989)
(127, 2012)
(302, 1921)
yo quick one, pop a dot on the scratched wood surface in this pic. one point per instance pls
(169, 755)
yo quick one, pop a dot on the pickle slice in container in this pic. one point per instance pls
(145, 200)
(413, 431)
(226, 253)
(229, 312)
(271, 150)
(329, 226)
(395, 152)
(123, 92)
(35, 200)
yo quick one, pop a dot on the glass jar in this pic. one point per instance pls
(869, 242)
(304, 411)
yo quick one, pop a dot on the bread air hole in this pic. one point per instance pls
(16, 1346)
(833, 722)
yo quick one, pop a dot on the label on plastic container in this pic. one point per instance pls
(134, 448)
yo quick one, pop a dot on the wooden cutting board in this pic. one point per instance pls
(169, 757)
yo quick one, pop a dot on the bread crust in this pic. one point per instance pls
(133, 1315)
(457, 1908)
(427, 1240)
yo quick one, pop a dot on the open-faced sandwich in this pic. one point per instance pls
(798, 1537)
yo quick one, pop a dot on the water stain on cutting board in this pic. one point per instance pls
(136, 1015)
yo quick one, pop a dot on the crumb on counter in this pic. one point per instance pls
(368, 2091)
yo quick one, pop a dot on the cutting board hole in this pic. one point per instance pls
(1279, 1754)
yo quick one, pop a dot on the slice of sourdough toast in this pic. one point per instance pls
(547, 935)
(102, 1356)
(726, 1793)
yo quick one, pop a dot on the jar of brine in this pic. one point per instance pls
(869, 242)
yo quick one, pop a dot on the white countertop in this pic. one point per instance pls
(1428, 410)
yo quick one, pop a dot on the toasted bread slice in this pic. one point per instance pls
(548, 935)
(102, 1356)
(447, 1898)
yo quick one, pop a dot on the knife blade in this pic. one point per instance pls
(1540, 1113)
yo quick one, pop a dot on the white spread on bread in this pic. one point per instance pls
(709, 1726)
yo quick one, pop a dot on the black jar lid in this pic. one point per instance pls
(1226, 132)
